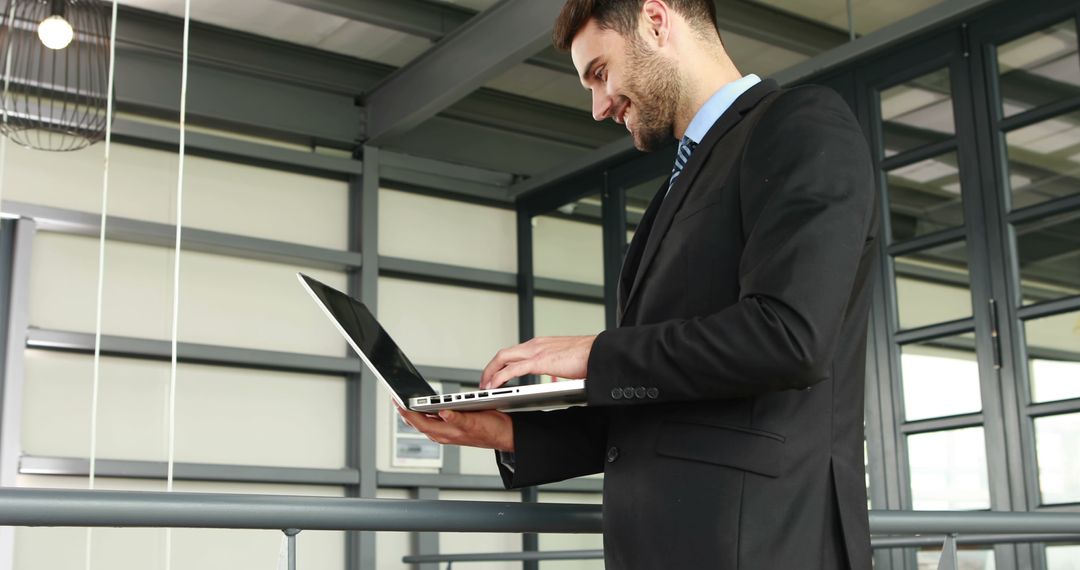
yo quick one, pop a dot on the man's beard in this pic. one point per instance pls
(656, 88)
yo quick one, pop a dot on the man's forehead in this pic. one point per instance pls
(591, 42)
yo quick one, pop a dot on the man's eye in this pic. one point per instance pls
(601, 74)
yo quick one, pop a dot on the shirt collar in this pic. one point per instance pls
(717, 104)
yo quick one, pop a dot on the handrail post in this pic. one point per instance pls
(948, 554)
(291, 533)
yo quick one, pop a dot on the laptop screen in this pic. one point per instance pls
(366, 333)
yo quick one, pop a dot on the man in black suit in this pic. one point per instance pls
(726, 409)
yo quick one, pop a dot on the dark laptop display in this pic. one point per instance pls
(373, 341)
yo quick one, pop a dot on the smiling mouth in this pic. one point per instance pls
(622, 116)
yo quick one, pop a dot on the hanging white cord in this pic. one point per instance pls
(176, 270)
(7, 83)
(101, 271)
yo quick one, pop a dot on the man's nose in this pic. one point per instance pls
(601, 106)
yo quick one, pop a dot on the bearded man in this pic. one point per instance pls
(726, 409)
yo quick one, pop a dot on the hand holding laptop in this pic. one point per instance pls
(561, 356)
(488, 429)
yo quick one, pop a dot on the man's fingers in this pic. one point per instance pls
(503, 358)
(515, 370)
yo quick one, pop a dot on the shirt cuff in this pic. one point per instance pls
(507, 460)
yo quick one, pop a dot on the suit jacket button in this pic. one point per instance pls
(612, 454)
(653, 393)
(627, 393)
(639, 393)
(616, 393)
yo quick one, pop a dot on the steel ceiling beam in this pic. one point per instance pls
(485, 47)
(421, 18)
(777, 28)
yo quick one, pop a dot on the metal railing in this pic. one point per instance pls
(77, 508)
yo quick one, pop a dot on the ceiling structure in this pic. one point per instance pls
(476, 83)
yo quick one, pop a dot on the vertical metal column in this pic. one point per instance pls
(291, 534)
(16, 240)
(361, 395)
(526, 330)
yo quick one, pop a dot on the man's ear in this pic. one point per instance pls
(656, 22)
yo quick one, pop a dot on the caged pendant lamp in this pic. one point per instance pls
(54, 57)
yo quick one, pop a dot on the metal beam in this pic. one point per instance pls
(98, 508)
(129, 469)
(429, 20)
(17, 247)
(18, 236)
(52, 507)
(234, 149)
(389, 479)
(486, 46)
(129, 230)
(768, 25)
(875, 543)
(192, 352)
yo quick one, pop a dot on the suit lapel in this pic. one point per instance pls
(667, 206)
(633, 253)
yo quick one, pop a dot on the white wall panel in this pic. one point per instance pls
(475, 461)
(218, 195)
(556, 317)
(566, 249)
(419, 227)
(223, 415)
(445, 325)
(223, 301)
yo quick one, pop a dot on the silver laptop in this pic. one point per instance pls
(407, 386)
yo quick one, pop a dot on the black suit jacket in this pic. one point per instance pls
(726, 410)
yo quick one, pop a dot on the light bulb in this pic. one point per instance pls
(55, 32)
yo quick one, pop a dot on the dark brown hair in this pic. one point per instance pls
(622, 17)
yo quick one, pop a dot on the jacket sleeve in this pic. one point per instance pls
(807, 198)
(555, 445)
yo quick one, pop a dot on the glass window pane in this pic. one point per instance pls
(917, 113)
(1048, 251)
(1056, 440)
(932, 286)
(948, 470)
(1044, 160)
(1053, 348)
(940, 378)
(1039, 68)
(1063, 557)
(924, 197)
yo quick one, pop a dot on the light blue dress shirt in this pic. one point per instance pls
(720, 102)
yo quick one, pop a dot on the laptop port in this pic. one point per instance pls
(483, 394)
(499, 392)
(446, 399)
(457, 396)
(470, 396)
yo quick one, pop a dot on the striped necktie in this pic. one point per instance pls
(686, 146)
